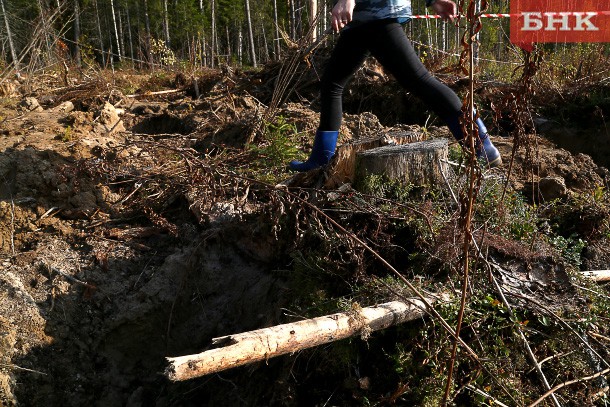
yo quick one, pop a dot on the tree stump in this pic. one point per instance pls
(420, 164)
(342, 167)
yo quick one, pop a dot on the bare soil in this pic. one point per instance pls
(93, 298)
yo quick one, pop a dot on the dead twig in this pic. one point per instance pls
(598, 336)
(551, 358)
(138, 185)
(160, 92)
(24, 369)
(70, 278)
(12, 226)
(474, 176)
(592, 291)
(484, 394)
(50, 212)
(552, 391)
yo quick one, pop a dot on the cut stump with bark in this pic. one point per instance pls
(342, 168)
(262, 344)
(421, 164)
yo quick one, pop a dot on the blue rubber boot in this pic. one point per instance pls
(485, 149)
(323, 150)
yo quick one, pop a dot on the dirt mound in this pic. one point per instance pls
(578, 173)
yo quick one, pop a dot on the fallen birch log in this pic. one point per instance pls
(599, 276)
(262, 344)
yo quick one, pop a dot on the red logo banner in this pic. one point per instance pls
(559, 21)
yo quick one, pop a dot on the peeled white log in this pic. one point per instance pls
(599, 276)
(262, 344)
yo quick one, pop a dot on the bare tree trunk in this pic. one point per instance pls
(445, 36)
(166, 23)
(129, 35)
(293, 20)
(313, 19)
(116, 31)
(428, 32)
(250, 34)
(148, 33)
(325, 19)
(99, 33)
(264, 45)
(599, 276)
(298, 18)
(436, 46)
(240, 47)
(204, 54)
(121, 34)
(46, 27)
(213, 35)
(10, 38)
(276, 40)
(77, 59)
(198, 54)
(111, 50)
(228, 45)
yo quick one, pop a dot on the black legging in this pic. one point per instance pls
(388, 43)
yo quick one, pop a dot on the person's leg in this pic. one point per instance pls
(346, 58)
(392, 48)
(485, 149)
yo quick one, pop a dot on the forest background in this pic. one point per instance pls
(197, 33)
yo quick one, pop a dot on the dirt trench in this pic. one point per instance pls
(99, 334)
